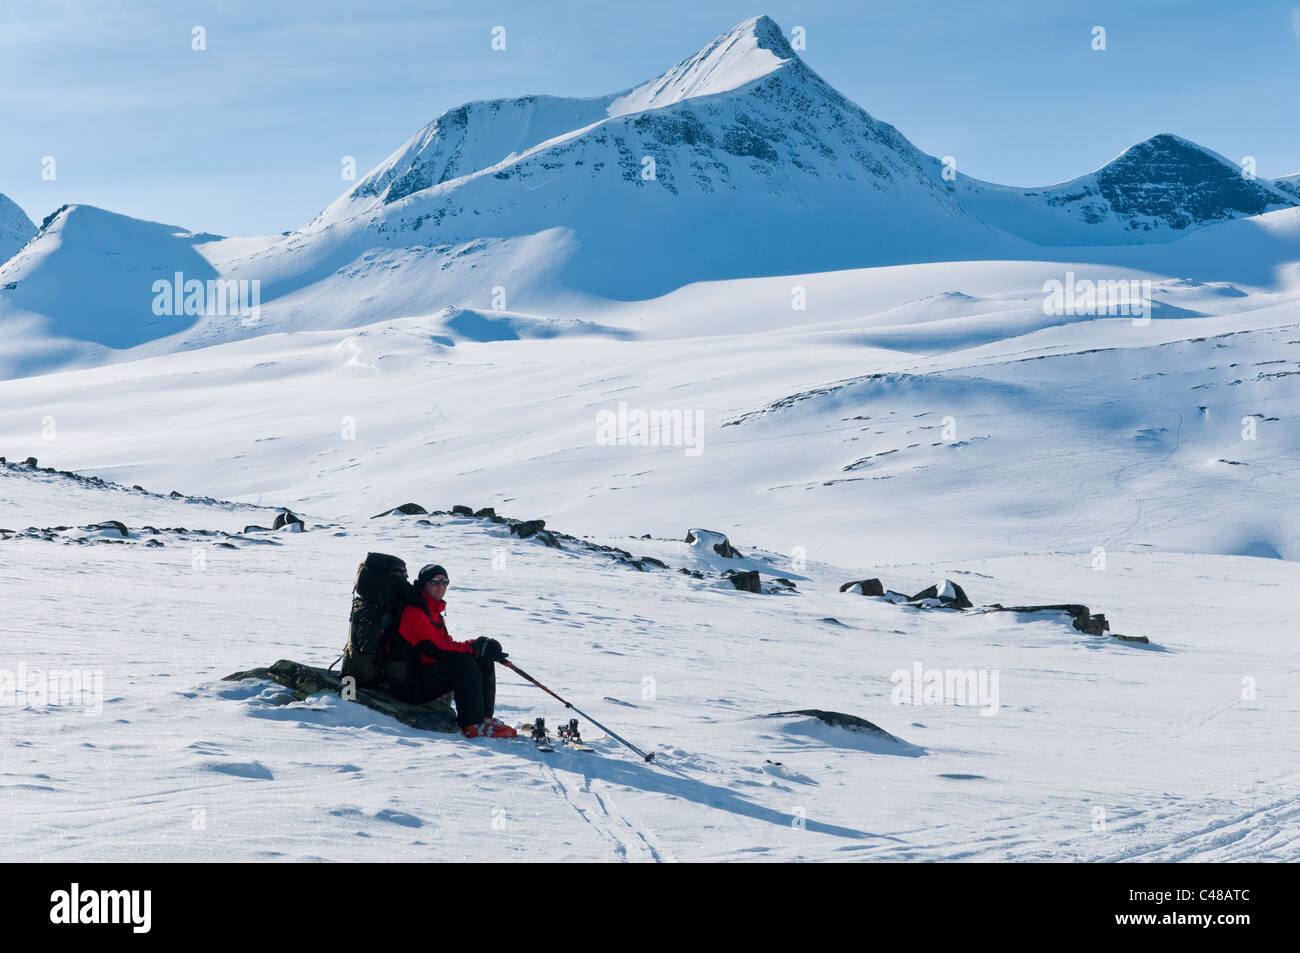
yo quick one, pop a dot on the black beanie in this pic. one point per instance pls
(427, 573)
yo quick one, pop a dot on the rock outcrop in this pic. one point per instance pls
(304, 680)
(865, 587)
(406, 509)
(717, 542)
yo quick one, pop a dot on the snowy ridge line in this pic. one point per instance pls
(536, 529)
(114, 531)
(945, 594)
(29, 466)
(790, 400)
(745, 580)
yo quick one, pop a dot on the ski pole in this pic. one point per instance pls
(509, 664)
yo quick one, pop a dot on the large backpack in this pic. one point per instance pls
(381, 593)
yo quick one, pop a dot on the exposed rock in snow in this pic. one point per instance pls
(406, 509)
(864, 587)
(947, 593)
(306, 680)
(717, 542)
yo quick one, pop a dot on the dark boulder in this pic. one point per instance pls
(304, 680)
(1081, 618)
(948, 592)
(111, 524)
(30, 461)
(838, 719)
(526, 528)
(459, 510)
(866, 587)
(406, 509)
(486, 513)
(747, 581)
(287, 518)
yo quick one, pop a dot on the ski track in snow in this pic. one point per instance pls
(631, 842)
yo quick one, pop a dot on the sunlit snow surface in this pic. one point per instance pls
(873, 390)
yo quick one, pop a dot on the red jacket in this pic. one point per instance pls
(427, 631)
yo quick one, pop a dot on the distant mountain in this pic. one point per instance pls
(15, 228)
(1290, 184)
(739, 161)
(85, 283)
(1157, 190)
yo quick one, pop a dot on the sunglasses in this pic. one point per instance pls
(439, 582)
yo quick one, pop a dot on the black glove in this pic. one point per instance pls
(488, 650)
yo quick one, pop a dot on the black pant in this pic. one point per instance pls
(473, 681)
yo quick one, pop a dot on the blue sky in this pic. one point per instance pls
(247, 136)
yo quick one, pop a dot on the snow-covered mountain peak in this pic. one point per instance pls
(462, 141)
(748, 51)
(1169, 181)
(1167, 156)
(1290, 184)
(479, 135)
(1157, 190)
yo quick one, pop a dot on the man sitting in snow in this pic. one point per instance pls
(439, 665)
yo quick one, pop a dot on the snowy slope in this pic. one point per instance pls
(1098, 421)
(1093, 749)
(84, 287)
(15, 228)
